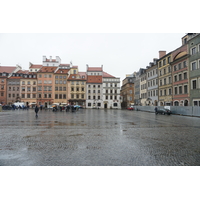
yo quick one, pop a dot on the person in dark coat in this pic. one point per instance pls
(156, 110)
(36, 110)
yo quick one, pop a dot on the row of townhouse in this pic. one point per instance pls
(56, 83)
(171, 80)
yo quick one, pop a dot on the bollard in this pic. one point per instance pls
(0, 108)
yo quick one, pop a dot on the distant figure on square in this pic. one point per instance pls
(36, 110)
(156, 110)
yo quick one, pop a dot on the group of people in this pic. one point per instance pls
(67, 108)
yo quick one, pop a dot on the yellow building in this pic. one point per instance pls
(164, 79)
(61, 89)
(77, 87)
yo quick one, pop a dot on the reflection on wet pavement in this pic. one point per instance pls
(98, 137)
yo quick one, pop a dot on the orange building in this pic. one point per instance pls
(45, 77)
(61, 89)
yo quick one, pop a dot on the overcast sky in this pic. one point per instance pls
(119, 53)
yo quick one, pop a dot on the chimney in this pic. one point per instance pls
(50, 58)
(162, 53)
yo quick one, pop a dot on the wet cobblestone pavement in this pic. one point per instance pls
(93, 137)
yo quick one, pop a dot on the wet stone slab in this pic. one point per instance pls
(98, 138)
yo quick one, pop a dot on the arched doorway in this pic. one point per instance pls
(176, 103)
(186, 103)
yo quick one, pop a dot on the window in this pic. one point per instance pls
(185, 75)
(160, 82)
(94, 97)
(179, 66)
(60, 81)
(98, 97)
(28, 96)
(175, 90)
(165, 92)
(56, 81)
(77, 96)
(175, 78)
(169, 69)
(49, 75)
(88, 91)
(169, 80)
(180, 89)
(72, 89)
(165, 81)
(180, 77)
(89, 104)
(64, 96)
(89, 97)
(194, 67)
(64, 88)
(60, 88)
(82, 89)
(82, 96)
(175, 68)
(170, 91)
(185, 89)
(193, 51)
(60, 96)
(164, 62)
(40, 75)
(23, 82)
(23, 89)
(164, 71)
(56, 96)
(168, 59)
(28, 89)
(77, 89)
(49, 95)
(194, 84)
(184, 64)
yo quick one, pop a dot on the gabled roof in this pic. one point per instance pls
(62, 71)
(94, 79)
(79, 76)
(35, 66)
(7, 69)
(23, 72)
(94, 69)
(47, 69)
(106, 75)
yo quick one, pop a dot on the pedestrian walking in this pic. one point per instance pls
(156, 110)
(36, 110)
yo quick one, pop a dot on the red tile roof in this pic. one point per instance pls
(35, 66)
(62, 71)
(78, 76)
(47, 69)
(23, 72)
(94, 79)
(106, 75)
(94, 69)
(15, 77)
(7, 69)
